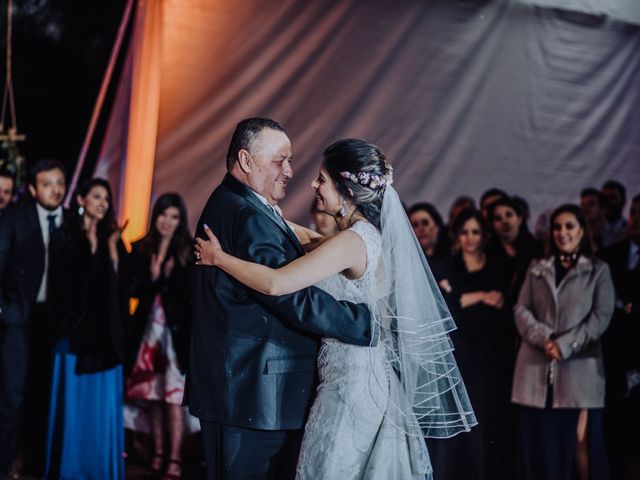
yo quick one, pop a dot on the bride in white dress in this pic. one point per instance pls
(374, 405)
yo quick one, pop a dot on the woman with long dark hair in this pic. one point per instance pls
(474, 286)
(511, 243)
(86, 437)
(158, 333)
(564, 307)
(430, 231)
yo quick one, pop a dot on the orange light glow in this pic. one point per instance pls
(143, 119)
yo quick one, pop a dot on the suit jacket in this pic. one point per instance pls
(624, 280)
(22, 258)
(252, 359)
(621, 338)
(175, 293)
(575, 314)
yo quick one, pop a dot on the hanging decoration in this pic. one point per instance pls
(11, 161)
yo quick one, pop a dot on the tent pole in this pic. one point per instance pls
(115, 51)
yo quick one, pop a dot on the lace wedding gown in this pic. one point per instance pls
(353, 431)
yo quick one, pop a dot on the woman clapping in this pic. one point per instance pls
(158, 337)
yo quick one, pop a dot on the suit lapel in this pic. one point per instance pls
(34, 223)
(250, 197)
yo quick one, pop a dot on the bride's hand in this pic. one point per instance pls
(208, 251)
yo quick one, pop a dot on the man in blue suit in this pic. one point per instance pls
(251, 378)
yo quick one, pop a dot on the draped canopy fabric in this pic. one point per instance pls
(461, 95)
(622, 10)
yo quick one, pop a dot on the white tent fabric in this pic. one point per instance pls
(621, 10)
(461, 95)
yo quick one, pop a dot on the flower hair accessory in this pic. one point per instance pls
(370, 180)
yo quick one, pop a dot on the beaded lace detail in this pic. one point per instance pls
(344, 437)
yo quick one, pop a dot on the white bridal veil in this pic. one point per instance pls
(415, 322)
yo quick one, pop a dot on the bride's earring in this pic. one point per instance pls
(343, 210)
(80, 211)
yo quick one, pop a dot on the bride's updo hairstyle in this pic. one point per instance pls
(361, 174)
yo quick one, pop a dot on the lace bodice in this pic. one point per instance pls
(337, 361)
(360, 290)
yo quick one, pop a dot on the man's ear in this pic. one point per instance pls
(32, 190)
(244, 160)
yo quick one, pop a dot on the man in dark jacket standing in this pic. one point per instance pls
(621, 357)
(251, 376)
(24, 328)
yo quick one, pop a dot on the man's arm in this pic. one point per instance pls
(344, 251)
(311, 309)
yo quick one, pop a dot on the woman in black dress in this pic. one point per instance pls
(512, 244)
(158, 334)
(431, 233)
(475, 289)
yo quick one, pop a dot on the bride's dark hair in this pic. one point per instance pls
(359, 157)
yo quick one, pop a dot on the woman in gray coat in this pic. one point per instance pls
(565, 305)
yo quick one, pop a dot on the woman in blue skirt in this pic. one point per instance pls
(85, 433)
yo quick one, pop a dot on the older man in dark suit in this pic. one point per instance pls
(24, 327)
(251, 377)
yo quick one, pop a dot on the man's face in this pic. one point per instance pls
(633, 225)
(614, 200)
(6, 191)
(506, 223)
(49, 189)
(591, 209)
(270, 165)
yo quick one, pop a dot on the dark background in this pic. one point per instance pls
(60, 53)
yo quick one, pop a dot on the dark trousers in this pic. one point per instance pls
(547, 444)
(25, 378)
(233, 453)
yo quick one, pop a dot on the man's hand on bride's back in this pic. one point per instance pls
(208, 251)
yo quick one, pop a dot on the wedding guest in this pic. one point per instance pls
(25, 347)
(158, 333)
(541, 226)
(615, 197)
(621, 360)
(7, 190)
(86, 435)
(523, 206)
(592, 204)
(512, 244)
(431, 233)
(564, 307)
(474, 286)
(461, 203)
(487, 198)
